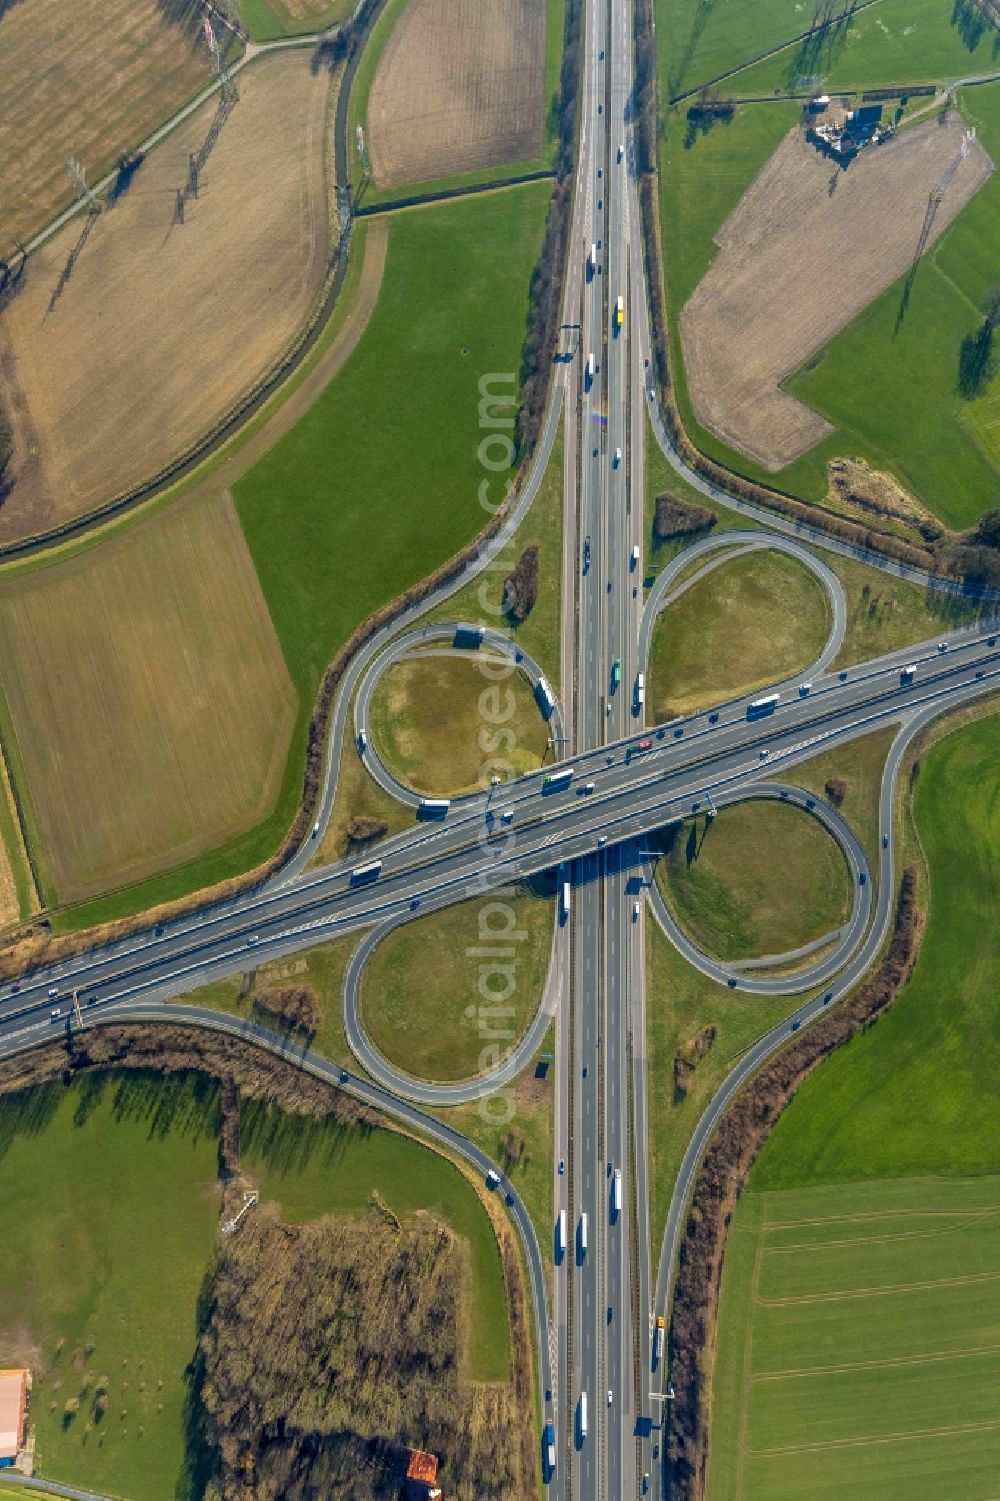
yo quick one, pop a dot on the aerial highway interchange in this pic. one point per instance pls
(617, 781)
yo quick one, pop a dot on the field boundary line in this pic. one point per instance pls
(987, 1426)
(443, 195)
(746, 1365)
(964, 1222)
(889, 1363)
(881, 1292)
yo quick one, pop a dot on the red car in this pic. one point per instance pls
(645, 745)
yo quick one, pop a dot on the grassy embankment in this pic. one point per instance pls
(760, 879)
(749, 622)
(555, 26)
(874, 1206)
(438, 722)
(456, 280)
(481, 602)
(421, 1000)
(322, 969)
(941, 445)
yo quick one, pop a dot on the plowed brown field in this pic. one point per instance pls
(89, 79)
(151, 705)
(459, 86)
(111, 371)
(804, 251)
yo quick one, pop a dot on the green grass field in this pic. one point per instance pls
(268, 19)
(436, 1007)
(858, 764)
(379, 482)
(701, 39)
(313, 1167)
(884, 1168)
(750, 621)
(762, 878)
(108, 1214)
(441, 723)
(884, 613)
(895, 42)
(859, 1354)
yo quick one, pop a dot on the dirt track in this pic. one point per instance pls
(459, 86)
(161, 324)
(805, 250)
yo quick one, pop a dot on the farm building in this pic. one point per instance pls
(421, 1477)
(859, 128)
(13, 1412)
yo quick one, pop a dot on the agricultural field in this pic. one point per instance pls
(764, 308)
(435, 1008)
(878, 1217)
(103, 1271)
(378, 482)
(859, 1353)
(890, 44)
(761, 879)
(106, 385)
(89, 81)
(149, 711)
(937, 442)
(460, 86)
(441, 723)
(750, 621)
(699, 40)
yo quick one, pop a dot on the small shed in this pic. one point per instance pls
(13, 1414)
(421, 1477)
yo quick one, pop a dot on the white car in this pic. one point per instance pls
(635, 911)
(764, 754)
(609, 1397)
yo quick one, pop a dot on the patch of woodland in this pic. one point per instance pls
(680, 518)
(331, 1348)
(520, 587)
(295, 1006)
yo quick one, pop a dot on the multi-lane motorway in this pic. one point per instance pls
(594, 1332)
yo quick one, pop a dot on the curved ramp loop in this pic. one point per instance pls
(480, 642)
(848, 937)
(736, 544)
